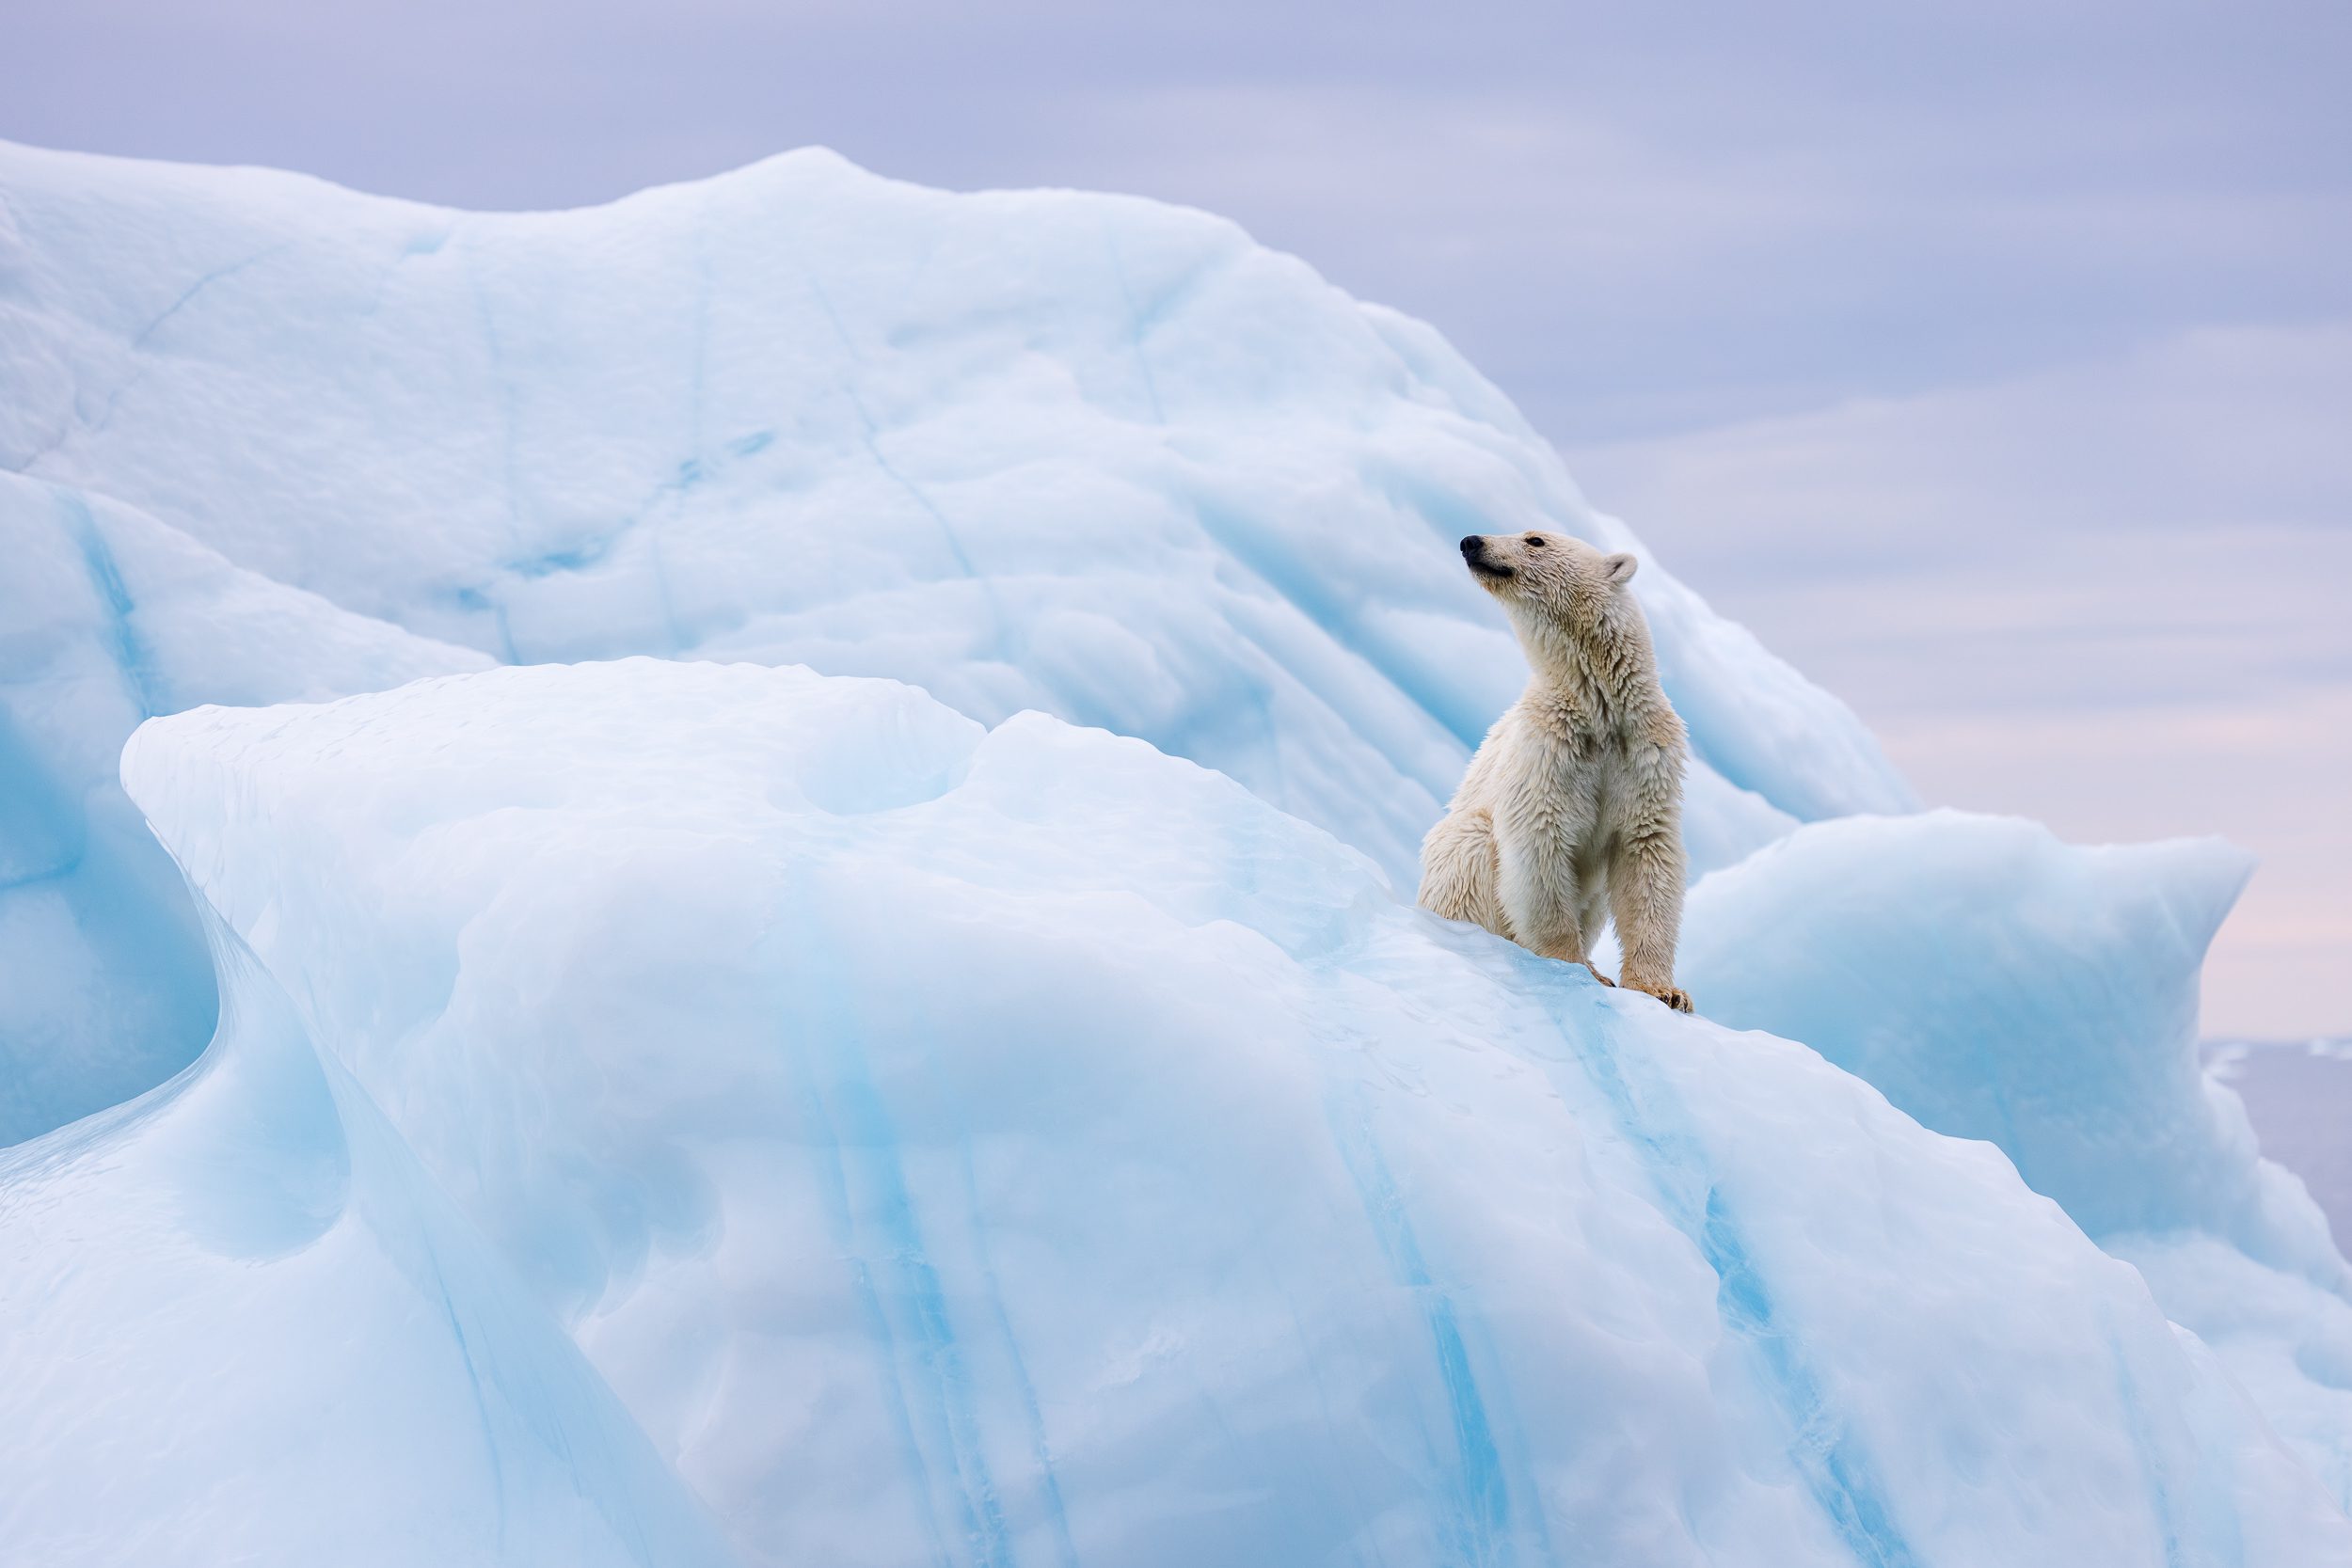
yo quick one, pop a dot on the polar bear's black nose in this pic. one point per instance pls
(1473, 546)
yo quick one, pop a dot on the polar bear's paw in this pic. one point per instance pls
(1672, 996)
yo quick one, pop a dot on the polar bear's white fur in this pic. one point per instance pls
(1571, 812)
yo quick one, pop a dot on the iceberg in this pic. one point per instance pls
(1018, 1145)
(717, 879)
(1088, 454)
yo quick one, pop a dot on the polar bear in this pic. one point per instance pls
(1571, 810)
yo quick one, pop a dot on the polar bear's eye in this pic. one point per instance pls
(1534, 541)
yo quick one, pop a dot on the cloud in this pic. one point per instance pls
(2209, 428)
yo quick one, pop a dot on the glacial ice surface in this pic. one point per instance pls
(1017, 1144)
(667, 1111)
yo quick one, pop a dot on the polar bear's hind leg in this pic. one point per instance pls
(1460, 871)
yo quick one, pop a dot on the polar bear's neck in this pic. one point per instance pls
(1594, 671)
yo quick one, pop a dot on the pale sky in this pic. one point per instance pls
(1992, 358)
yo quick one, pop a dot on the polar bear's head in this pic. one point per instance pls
(1569, 602)
(1548, 575)
(1565, 599)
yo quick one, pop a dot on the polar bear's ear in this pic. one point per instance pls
(1618, 568)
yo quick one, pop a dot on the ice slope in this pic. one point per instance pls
(1997, 984)
(242, 1326)
(1084, 453)
(106, 617)
(1015, 1145)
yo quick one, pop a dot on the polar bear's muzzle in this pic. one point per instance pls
(1480, 564)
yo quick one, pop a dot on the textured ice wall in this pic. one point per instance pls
(1021, 1146)
(1084, 453)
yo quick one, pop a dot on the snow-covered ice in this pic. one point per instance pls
(672, 1111)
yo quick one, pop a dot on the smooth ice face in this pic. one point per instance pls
(107, 617)
(244, 1326)
(1023, 1146)
(1997, 984)
(1083, 454)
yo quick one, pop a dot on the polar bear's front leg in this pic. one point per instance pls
(1645, 897)
(1645, 879)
